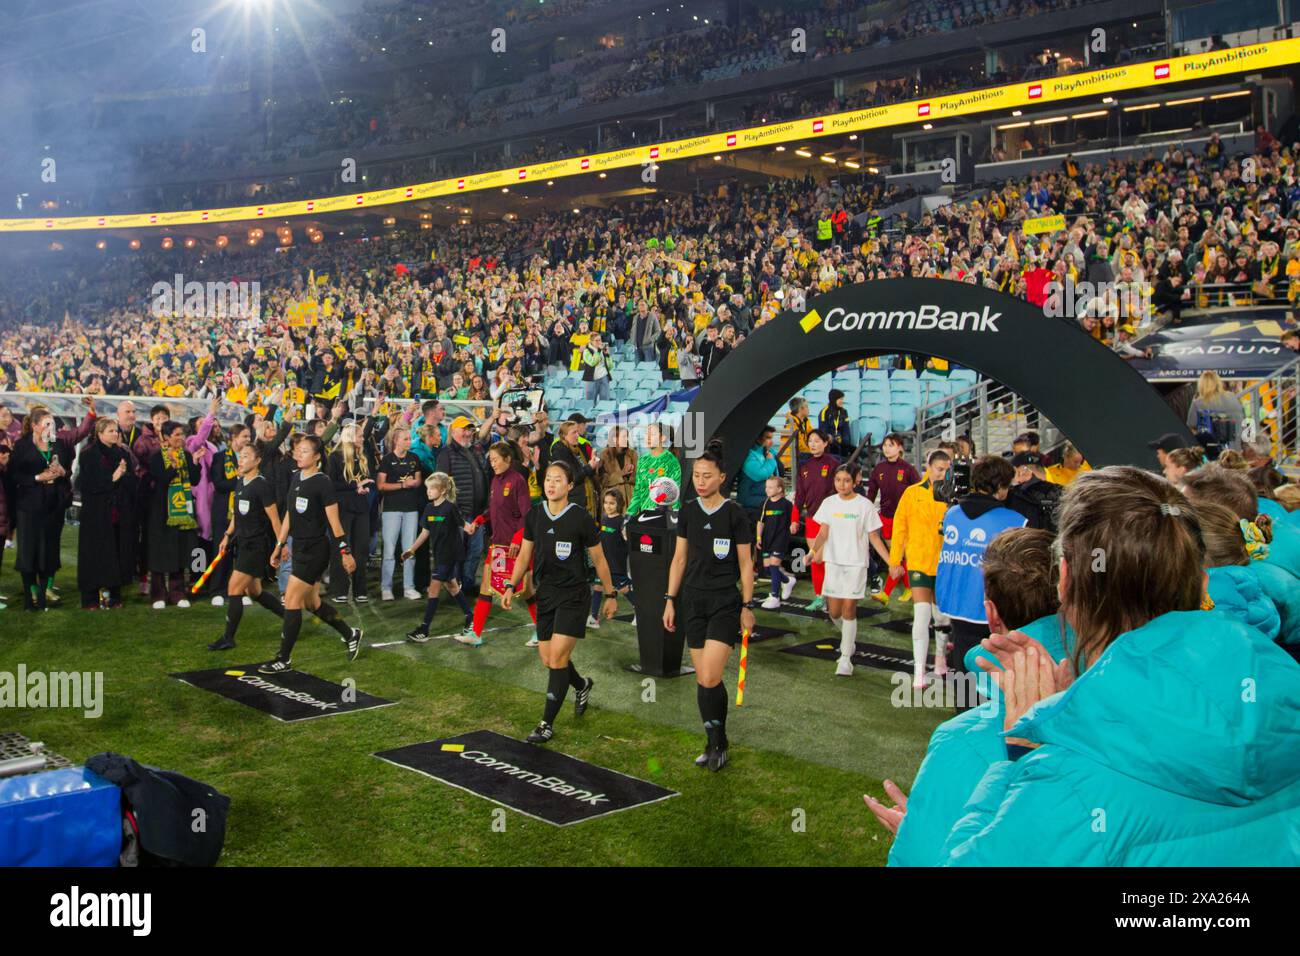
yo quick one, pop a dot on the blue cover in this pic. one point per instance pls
(69, 817)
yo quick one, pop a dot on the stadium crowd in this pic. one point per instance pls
(1202, 563)
(683, 280)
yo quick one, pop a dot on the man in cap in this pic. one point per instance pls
(1032, 495)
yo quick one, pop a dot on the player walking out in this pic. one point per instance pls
(613, 542)
(849, 526)
(254, 524)
(714, 554)
(892, 476)
(814, 483)
(918, 536)
(555, 537)
(313, 512)
(443, 527)
(508, 506)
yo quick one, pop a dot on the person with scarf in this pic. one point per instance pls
(106, 535)
(41, 465)
(204, 452)
(173, 529)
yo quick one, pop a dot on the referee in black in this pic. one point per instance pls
(313, 511)
(558, 537)
(254, 524)
(714, 554)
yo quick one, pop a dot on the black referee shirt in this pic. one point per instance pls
(308, 498)
(560, 546)
(712, 538)
(252, 498)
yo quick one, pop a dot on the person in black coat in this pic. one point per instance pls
(351, 467)
(568, 449)
(40, 465)
(172, 538)
(107, 535)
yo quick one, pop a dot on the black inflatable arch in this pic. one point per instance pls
(1083, 387)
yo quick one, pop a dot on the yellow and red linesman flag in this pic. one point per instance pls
(744, 661)
(203, 578)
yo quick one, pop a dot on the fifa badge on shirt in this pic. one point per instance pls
(721, 547)
(243, 506)
(300, 503)
(563, 549)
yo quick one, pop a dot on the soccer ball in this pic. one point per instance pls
(663, 491)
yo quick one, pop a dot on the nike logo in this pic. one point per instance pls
(550, 531)
(708, 527)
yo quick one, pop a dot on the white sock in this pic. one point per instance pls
(849, 639)
(920, 637)
(940, 647)
(941, 619)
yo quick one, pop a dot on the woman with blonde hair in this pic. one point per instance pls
(1155, 727)
(400, 476)
(351, 467)
(1216, 412)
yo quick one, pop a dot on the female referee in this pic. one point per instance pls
(714, 553)
(313, 511)
(555, 536)
(254, 524)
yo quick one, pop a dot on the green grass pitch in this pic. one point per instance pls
(311, 793)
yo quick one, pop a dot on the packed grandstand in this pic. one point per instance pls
(346, 416)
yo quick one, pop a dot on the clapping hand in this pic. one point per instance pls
(1027, 675)
(891, 818)
(120, 470)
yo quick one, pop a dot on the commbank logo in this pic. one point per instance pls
(924, 318)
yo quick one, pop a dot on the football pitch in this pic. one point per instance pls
(804, 747)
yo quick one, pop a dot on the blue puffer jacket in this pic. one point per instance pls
(1175, 748)
(959, 754)
(1283, 590)
(1238, 593)
(1284, 549)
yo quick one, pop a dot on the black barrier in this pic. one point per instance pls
(1088, 391)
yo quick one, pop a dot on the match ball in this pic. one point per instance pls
(663, 491)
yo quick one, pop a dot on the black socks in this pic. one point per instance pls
(713, 706)
(331, 617)
(268, 601)
(430, 609)
(575, 679)
(557, 685)
(289, 633)
(234, 611)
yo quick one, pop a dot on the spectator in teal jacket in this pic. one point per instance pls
(1020, 594)
(760, 465)
(1175, 747)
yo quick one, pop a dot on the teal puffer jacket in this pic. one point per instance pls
(1283, 589)
(958, 756)
(1238, 593)
(1177, 747)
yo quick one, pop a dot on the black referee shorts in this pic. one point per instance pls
(311, 558)
(564, 614)
(710, 616)
(252, 557)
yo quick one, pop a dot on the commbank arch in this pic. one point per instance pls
(1082, 386)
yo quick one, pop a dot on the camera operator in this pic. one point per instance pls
(597, 369)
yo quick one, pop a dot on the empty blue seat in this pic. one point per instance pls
(902, 417)
(869, 425)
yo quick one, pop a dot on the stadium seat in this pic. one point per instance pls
(869, 425)
(902, 417)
